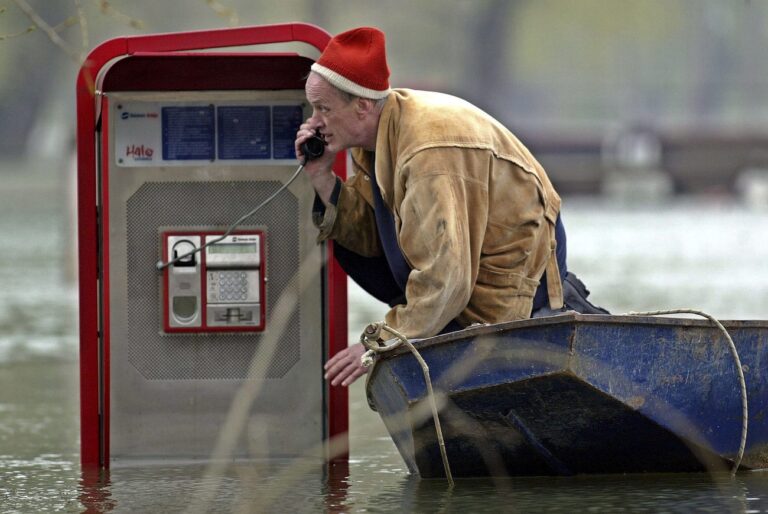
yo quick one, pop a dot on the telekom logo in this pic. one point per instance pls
(139, 152)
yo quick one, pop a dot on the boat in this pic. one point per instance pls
(578, 394)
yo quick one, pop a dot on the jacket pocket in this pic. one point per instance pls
(499, 297)
(514, 283)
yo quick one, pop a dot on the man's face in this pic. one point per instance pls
(336, 118)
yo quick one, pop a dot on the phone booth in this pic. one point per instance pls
(174, 145)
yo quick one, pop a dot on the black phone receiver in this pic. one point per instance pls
(313, 147)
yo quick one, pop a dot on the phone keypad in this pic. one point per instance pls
(233, 286)
(230, 286)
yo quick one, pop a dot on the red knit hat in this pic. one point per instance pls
(356, 62)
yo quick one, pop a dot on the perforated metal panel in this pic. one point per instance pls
(161, 206)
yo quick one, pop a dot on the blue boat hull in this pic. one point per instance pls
(579, 394)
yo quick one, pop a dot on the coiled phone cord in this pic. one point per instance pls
(162, 265)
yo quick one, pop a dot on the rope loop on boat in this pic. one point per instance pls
(739, 369)
(372, 340)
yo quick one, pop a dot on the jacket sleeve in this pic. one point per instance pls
(349, 218)
(441, 240)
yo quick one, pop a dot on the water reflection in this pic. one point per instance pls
(244, 488)
(336, 490)
(274, 486)
(94, 491)
(606, 493)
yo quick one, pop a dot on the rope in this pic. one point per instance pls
(739, 369)
(370, 339)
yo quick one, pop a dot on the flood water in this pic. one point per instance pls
(710, 254)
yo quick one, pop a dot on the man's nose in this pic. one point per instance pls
(317, 120)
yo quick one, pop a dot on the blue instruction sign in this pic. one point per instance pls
(286, 120)
(244, 132)
(188, 133)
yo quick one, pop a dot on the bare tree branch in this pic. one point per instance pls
(83, 25)
(49, 31)
(107, 9)
(29, 29)
(225, 12)
(66, 24)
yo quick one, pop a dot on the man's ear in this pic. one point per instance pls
(364, 107)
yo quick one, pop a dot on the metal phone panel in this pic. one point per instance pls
(170, 394)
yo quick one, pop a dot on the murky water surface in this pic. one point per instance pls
(693, 254)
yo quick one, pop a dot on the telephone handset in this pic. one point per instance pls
(313, 147)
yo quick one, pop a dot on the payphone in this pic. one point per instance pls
(175, 145)
(221, 288)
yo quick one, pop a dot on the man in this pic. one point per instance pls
(448, 217)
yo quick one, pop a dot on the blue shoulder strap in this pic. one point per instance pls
(385, 223)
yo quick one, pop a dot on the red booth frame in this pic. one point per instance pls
(146, 52)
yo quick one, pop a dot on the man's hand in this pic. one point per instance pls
(319, 170)
(306, 131)
(345, 367)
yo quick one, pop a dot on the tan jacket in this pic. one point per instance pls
(474, 213)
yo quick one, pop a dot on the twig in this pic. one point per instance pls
(106, 8)
(49, 31)
(29, 29)
(83, 25)
(66, 24)
(224, 11)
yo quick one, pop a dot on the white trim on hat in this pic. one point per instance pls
(347, 85)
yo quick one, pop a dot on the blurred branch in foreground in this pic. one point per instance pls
(225, 12)
(29, 29)
(53, 32)
(106, 8)
(49, 31)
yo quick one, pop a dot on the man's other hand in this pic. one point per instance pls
(345, 367)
